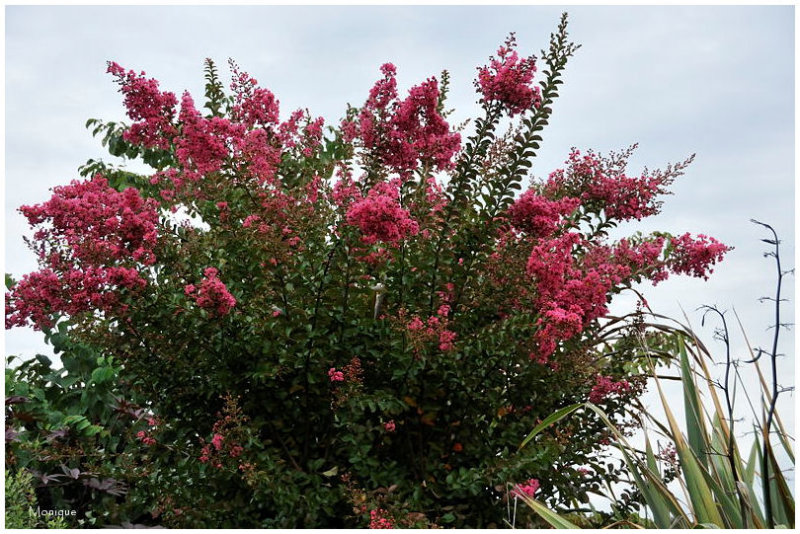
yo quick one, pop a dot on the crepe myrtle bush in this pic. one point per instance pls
(355, 324)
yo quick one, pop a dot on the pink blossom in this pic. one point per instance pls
(557, 324)
(345, 191)
(217, 440)
(602, 185)
(527, 489)
(212, 294)
(573, 289)
(92, 241)
(446, 339)
(377, 519)
(420, 133)
(205, 454)
(306, 138)
(335, 376)
(250, 220)
(152, 110)
(145, 438)
(539, 216)
(400, 134)
(253, 106)
(415, 324)
(204, 145)
(644, 257)
(695, 256)
(380, 217)
(605, 386)
(507, 80)
(389, 426)
(97, 223)
(261, 153)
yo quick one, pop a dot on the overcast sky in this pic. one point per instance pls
(715, 81)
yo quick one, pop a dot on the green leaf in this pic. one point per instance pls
(447, 518)
(102, 374)
(332, 472)
(552, 518)
(549, 420)
(695, 422)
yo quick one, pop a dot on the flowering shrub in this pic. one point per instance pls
(352, 325)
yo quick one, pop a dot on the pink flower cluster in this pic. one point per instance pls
(435, 328)
(145, 438)
(575, 275)
(539, 216)
(602, 187)
(261, 155)
(389, 426)
(569, 294)
(258, 110)
(605, 386)
(400, 134)
(253, 106)
(91, 240)
(212, 294)
(507, 80)
(203, 146)
(96, 224)
(420, 132)
(644, 257)
(527, 489)
(335, 376)
(345, 190)
(39, 295)
(378, 519)
(695, 256)
(153, 111)
(306, 139)
(250, 144)
(557, 324)
(380, 217)
(223, 444)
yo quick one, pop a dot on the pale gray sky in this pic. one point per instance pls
(716, 81)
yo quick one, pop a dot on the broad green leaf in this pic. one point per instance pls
(700, 494)
(695, 425)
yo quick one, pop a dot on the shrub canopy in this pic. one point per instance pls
(299, 325)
